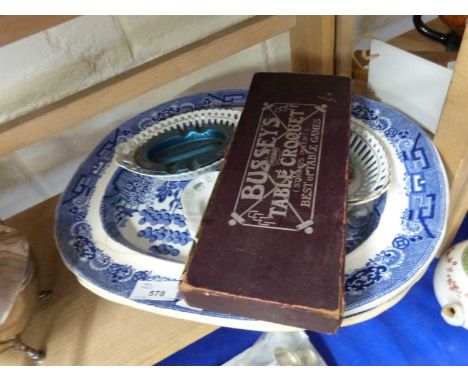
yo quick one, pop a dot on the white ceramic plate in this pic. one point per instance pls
(102, 196)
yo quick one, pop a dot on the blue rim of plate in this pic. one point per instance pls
(422, 223)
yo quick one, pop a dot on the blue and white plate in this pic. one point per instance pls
(114, 227)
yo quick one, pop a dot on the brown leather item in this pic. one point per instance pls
(271, 243)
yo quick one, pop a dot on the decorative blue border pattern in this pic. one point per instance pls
(386, 271)
(422, 222)
(73, 233)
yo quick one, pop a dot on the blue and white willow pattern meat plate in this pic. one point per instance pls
(115, 227)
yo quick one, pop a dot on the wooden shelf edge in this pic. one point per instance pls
(14, 28)
(125, 87)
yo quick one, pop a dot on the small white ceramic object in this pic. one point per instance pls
(451, 285)
(195, 198)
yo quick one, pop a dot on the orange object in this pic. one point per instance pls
(455, 23)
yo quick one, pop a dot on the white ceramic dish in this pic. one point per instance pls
(393, 256)
(368, 161)
(197, 136)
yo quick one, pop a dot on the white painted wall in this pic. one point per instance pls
(382, 28)
(62, 64)
(84, 51)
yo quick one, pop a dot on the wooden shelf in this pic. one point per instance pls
(76, 327)
(13, 28)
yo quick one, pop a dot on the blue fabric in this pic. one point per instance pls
(410, 333)
(214, 349)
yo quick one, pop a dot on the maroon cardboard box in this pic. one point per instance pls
(272, 241)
